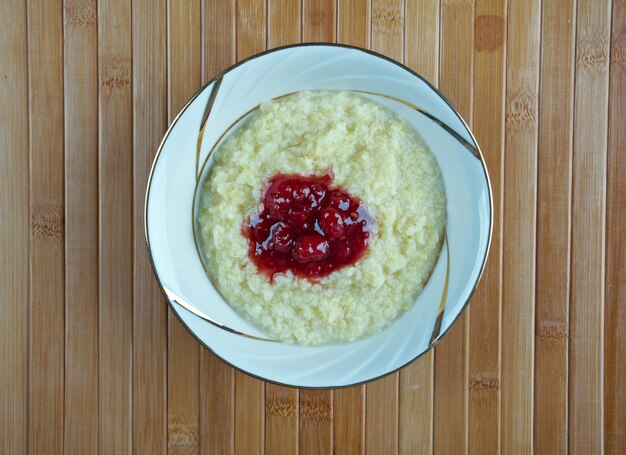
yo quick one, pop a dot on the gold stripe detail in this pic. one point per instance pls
(205, 117)
(444, 297)
(449, 130)
(192, 309)
(173, 297)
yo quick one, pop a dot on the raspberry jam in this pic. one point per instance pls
(308, 226)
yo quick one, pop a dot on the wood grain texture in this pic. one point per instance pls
(556, 101)
(218, 37)
(451, 395)
(47, 222)
(381, 416)
(586, 367)
(319, 20)
(421, 38)
(217, 380)
(485, 313)
(388, 28)
(354, 22)
(183, 353)
(149, 28)
(249, 415)
(615, 279)
(284, 23)
(81, 226)
(316, 422)
(14, 229)
(519, 221)
(416, 387)
(116, 229)
(349, 420)
(251, 29)
(281, 420)
(217, 412)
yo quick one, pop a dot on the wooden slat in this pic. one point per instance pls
(381, 416)
(421, 53)
(316, 422)
(451, 395)
(217, 413)
(586, 426)
(183, 351)
(116, 230)
(281, 420)
(553, 227)
(249, 431)
(218, 37)
(615, 279)
(484, 327)
(149, 308)
(519, 220)
(81, 227)
(251, 30)
(249, 415)
(284, 23)
(349, 420)
(217, 380)
(319, 20)
(388, 28)
(14, 232)
(421, 38)
(354, 22)
(47, 217)
(348, 432)
(381, 408)
(416, 405)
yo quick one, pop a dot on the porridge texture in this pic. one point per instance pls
(376, 156)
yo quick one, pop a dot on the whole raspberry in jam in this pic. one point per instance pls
(308, 226)
(331, 222)
(310, 247)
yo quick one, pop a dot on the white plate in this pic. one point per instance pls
(170, 199)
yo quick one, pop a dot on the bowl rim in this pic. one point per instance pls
(318, 44)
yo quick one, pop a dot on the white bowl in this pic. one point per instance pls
(177, 169)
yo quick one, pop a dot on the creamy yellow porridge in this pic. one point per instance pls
(345, 144)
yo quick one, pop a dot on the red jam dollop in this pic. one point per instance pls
(306, 225)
